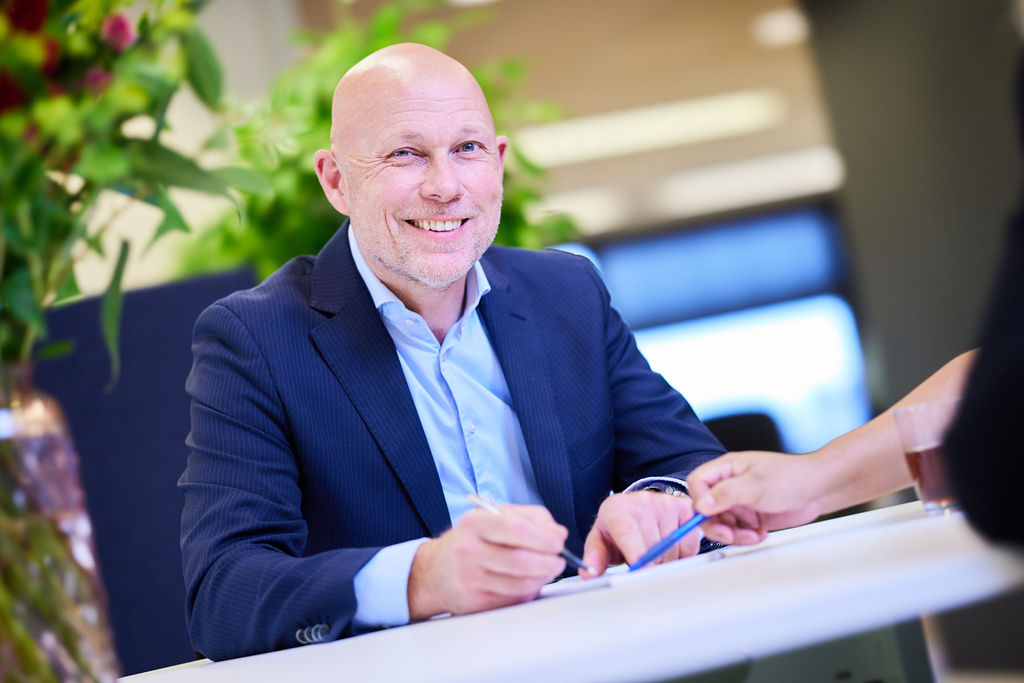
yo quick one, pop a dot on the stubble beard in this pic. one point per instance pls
(427, 274)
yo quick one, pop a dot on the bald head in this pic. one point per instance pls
(403, 71)
(416, 166)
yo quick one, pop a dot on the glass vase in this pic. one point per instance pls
(54, 624)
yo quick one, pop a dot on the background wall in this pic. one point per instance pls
(919, 97)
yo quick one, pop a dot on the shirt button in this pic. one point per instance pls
(471, 427)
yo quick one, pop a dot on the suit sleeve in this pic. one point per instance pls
(657, 434)
(249, 587)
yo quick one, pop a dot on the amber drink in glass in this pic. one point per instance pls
(921, 428)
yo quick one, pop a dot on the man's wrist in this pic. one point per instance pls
(423, 592)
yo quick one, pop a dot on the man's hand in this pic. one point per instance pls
(748, 493)
(628, 524)
(486, 561)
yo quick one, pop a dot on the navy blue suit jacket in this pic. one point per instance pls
(307, 455)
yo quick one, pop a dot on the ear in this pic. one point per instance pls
(326, 166)
(502, 143)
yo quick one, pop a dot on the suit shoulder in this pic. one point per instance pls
(287, 287)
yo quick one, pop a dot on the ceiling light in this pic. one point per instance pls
(631, 131)
(781, 27)
(723, 187)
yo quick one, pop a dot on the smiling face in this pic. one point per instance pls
(416, 166)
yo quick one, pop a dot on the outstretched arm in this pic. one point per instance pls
(752, 492)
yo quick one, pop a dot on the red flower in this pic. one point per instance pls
(118, 31)
(27, 15)
(11, 94)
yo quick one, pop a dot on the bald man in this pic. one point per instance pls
(344, 410)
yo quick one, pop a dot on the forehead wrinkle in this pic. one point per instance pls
(399, 130)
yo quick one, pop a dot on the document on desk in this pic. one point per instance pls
(619, 574)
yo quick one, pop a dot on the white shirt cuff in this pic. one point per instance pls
(381, 587)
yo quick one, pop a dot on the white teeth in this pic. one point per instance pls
(437, 226)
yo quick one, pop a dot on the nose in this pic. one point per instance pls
(441, 182)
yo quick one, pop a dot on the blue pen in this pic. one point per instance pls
(659, 548)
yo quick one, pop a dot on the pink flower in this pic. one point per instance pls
(97, 79)
(118, 31)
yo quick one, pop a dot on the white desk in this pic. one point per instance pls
(800, 587)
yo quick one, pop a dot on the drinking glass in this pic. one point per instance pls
(921, 428)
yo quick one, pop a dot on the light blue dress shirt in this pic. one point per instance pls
(465, 410)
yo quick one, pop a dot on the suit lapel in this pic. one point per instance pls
(360, 352)
(517, 339)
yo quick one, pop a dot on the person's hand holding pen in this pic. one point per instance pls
(746, 494)
(628, 524)
(485, 561)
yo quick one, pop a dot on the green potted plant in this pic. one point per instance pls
(76, 78)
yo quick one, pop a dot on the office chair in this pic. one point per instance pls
(746, 432)
(131, 445)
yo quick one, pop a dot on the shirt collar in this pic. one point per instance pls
(476, 281)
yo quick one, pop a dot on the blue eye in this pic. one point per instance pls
(468, 147)
(401, 153)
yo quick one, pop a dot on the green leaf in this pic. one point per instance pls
(385, 26)
(153, 162)
(110, 315)
(95, 243)
(196, 6)
(172, 222)
(68, 289)
(513, 69)
(102, 164)
(244, 179)
(220, 139)
(202, 66)
(56, 118)
(20, 299)
(436, 34)
(55, 350)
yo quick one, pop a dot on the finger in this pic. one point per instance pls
(538, 514)
(689, 546)
(728, 528)
(749, 536)
(717, 531)
(722, 527)
(710, 473)
(745, 518)
(679, 511)
(545, 523)
(520, 530)
(629, 536)
(515, 564)
(700, 480)
(729, 493)
(597, 553)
